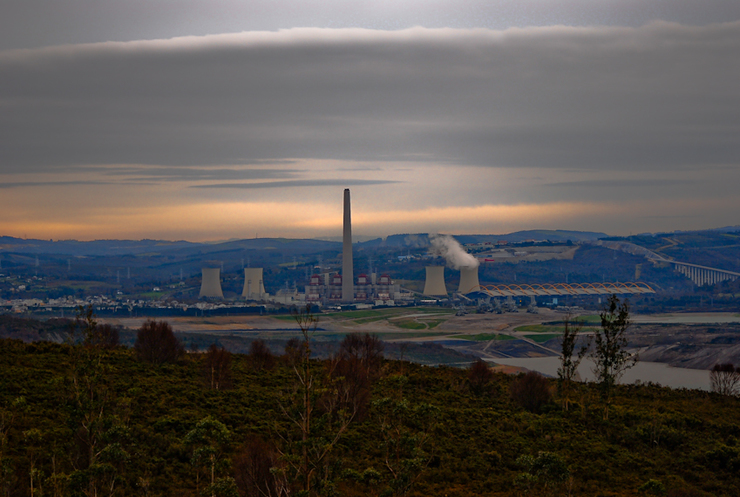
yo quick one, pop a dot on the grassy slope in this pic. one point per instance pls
(686, 439)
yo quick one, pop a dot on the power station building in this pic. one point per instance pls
(329, 288)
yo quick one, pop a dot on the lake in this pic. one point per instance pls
(643, 371)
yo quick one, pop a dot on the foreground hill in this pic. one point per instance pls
(147, 428)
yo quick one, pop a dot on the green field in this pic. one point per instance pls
(543, 337)
(540, 328)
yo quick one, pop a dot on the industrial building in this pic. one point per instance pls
(328, 288)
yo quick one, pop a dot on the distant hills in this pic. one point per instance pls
(185, 248)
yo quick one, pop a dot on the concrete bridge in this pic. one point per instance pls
(703, 275)
(699, 275)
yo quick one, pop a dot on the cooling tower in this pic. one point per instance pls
(254, 288)
(210, 285)
(348, 280)
(435, 283)
(469, 280)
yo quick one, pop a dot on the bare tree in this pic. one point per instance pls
(531, 391)
(479, 376)
(106, 336)
(260, 356)
(568, 371)
(611, 358)
(725, 379)
(217, 368)
(352, 373)
(314, 408)
(366, 351)
(157, 343)
(258, 470)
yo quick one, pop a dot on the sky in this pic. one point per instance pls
(221, 119)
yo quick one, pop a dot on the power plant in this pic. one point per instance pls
(435, 282)
(254, 288)
(336, 287)
(210, 285)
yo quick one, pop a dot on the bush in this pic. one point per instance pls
(156, 343)
(531, 391)
(652, 487)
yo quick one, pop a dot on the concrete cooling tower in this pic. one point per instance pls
(435, 283)
(210, 285)
(469, 280)
(254, 289)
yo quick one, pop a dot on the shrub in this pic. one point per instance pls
(156, 343)
(652, 487)
(531, 391)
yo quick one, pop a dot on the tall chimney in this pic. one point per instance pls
(348, 280)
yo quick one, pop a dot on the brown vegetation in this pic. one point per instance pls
(531, 391)
(156, 343)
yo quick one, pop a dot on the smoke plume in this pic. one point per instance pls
(449, 248)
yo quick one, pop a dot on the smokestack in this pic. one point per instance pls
(254, 288)
(435, 283)
(348, 280)
(468, 280)
(210, 285)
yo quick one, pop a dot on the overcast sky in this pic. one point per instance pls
(187, 119)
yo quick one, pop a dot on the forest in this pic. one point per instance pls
(92, 418)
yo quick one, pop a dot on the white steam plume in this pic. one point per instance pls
(449, 248)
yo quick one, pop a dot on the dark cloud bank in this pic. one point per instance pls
(661, 96)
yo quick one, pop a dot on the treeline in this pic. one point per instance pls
(159, 420)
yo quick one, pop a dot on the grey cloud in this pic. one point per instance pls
(23, 184)
(199, 174)
(299, 183)
(35, 23)
(656, 97)
(623, 183)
